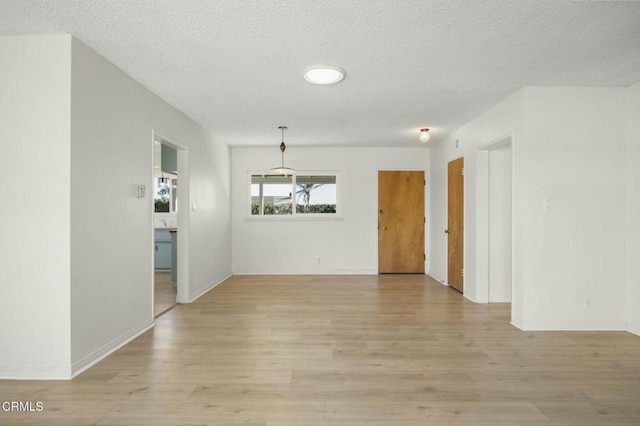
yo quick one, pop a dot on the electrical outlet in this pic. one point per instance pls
(587, 302)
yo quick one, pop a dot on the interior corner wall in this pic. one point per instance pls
(34, 171)
(113, 119)
(633, 209)
(348, 245)
(503, 121)
(574, 208)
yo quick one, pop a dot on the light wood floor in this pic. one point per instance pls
(164, 296)
(366, 350)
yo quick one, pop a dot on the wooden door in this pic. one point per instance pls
(455, 225)
(401, 222)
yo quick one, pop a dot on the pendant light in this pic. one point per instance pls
(282, 170)
(163, 181)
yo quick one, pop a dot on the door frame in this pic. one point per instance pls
(425, 228)
(483, 215)
(183, 210)
(464, 257)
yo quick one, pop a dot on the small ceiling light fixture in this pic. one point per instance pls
(324, 75)
(424, 135)
(282, 170)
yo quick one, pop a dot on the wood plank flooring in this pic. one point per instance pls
(164, 296)
(346, 350)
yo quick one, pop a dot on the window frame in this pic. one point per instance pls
(294, 214)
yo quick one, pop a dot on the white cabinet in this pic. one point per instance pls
(163, 249)
(174, 255)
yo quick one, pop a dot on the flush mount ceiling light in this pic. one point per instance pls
(282, 170)
(424, 135)
(324, 75)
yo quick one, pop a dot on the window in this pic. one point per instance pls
(165, 194)
(271, 194)
(314, 194)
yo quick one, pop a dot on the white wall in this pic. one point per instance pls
(345, 246)
(35, 176)
(500, 223)
(113, 118)
(575, 250)
(503, 121)
(633, 208)
(76, 251)
(210, 186)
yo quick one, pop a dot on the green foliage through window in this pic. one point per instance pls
(275, 194)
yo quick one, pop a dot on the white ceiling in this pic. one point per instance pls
(235, 66)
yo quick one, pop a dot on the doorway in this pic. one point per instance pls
(455, 224)
(495, 221)
(170, 224)
(401, 222)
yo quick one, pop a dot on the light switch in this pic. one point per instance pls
(194, 207)
(548, 204)
(141, 191)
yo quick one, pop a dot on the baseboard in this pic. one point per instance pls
(98, 355)
(634, 328)
(349, 272)
(67, 373)
(439, 279)
(211, 287)
(324, 272)
(471, 299)
(21, 373)
(572, 326)
(517, 324)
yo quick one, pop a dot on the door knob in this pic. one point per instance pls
(381, 211)
(384, 228)
(446, 231)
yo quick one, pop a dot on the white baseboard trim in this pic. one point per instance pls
(67, 373)
(517, 324)
(471, 299)
(350, 272)
(22, 373)
(324, 272)
(439, 279)
(572, 326)
(211, 287)
(103, 352)
(634, 328)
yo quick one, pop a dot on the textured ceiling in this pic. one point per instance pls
(235, 66)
